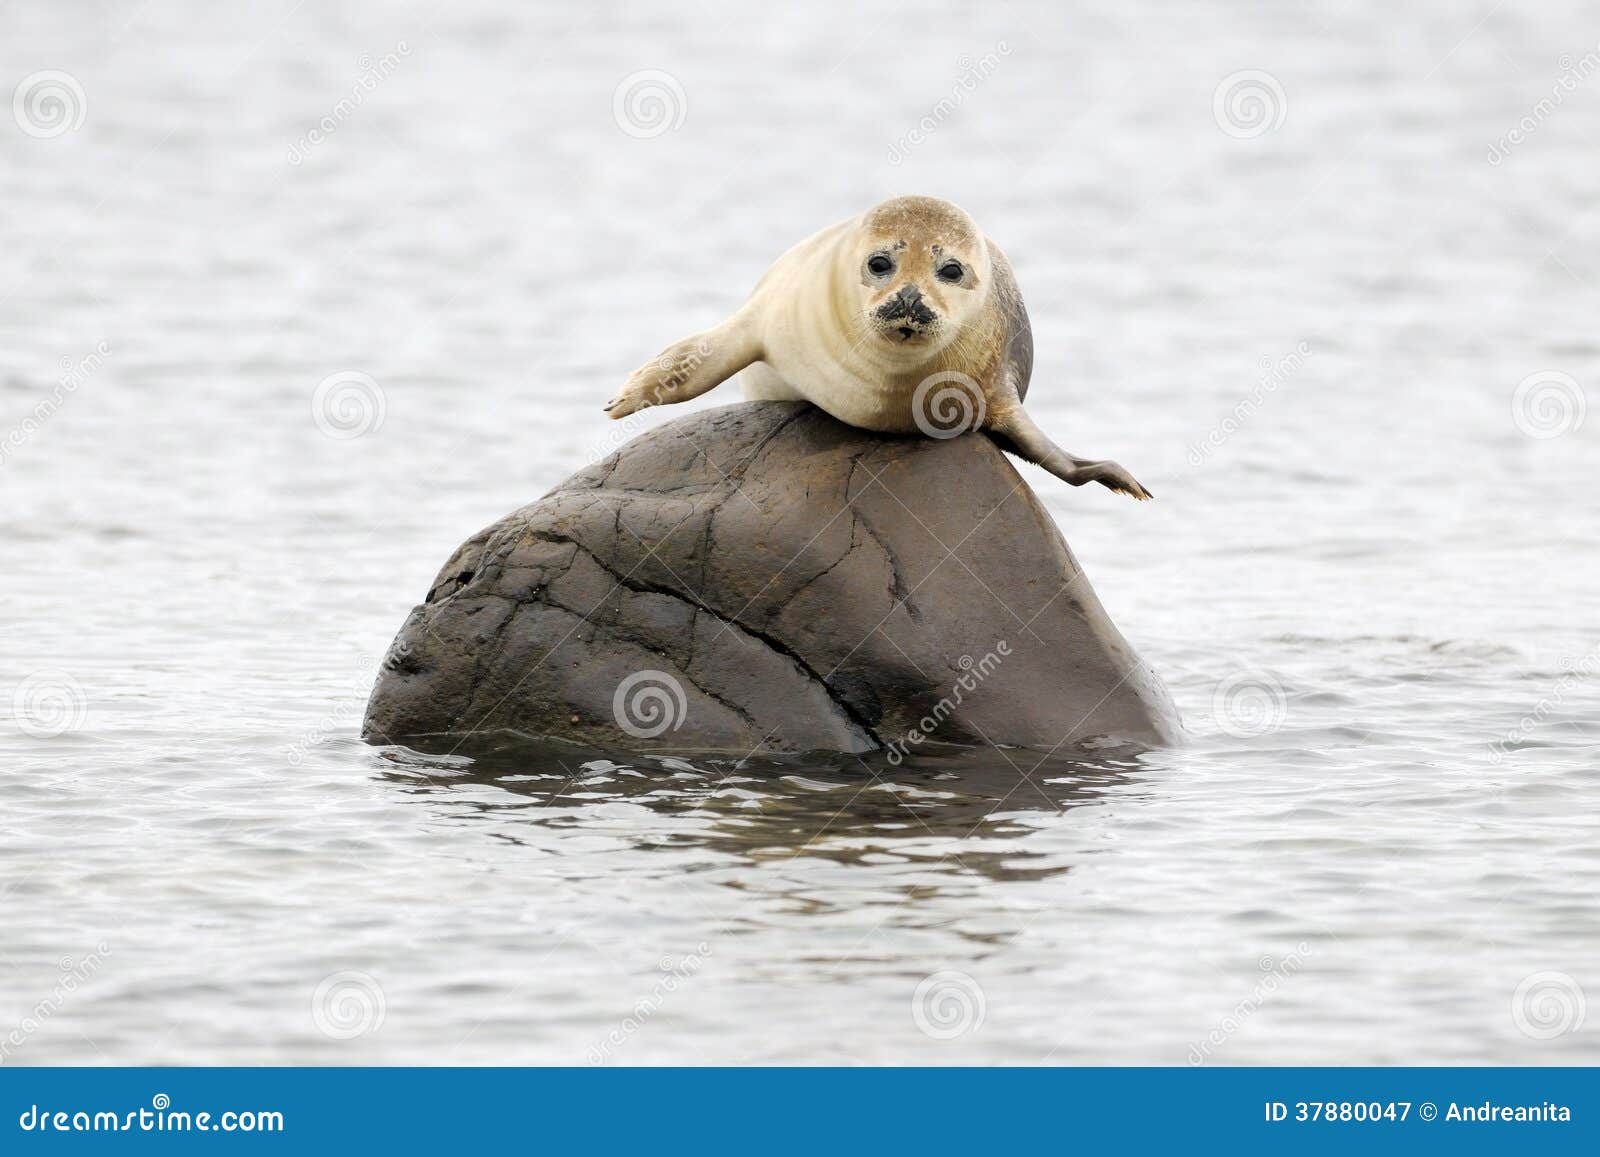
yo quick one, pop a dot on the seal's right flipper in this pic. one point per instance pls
(1015, 431)
(689, 368)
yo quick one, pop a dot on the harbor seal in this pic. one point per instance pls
(905, 319)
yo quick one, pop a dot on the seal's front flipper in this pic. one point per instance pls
(1014, 431)
(689, 368)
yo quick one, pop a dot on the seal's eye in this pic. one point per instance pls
(879, 265)
(950, 271)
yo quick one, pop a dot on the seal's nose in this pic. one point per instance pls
(906, 302)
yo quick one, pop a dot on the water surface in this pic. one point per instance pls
(1365, 572)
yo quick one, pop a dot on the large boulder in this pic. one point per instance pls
(761, 577)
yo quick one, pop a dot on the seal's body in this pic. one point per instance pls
(904, 319)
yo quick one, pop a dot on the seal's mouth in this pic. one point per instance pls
(904, 334)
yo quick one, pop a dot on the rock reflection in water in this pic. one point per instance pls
(937, 807)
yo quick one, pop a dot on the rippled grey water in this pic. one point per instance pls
(1360, 576)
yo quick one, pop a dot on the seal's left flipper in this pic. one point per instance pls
(1013, 430)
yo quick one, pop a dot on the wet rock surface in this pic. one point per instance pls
(761, 577)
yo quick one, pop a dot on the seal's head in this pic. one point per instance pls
(923, 270)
